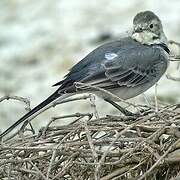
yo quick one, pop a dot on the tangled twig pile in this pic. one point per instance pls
(113, 147)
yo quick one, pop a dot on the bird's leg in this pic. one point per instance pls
(117, 106)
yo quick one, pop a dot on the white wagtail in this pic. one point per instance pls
(126, 67)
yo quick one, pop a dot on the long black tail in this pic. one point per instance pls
(50, 99)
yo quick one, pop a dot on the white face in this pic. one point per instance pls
(147, 37)
(150, 32)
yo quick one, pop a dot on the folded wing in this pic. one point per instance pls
(131, 64)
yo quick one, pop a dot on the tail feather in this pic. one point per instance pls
(50, 99)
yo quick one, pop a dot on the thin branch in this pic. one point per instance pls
(173, 78)
(18, 98)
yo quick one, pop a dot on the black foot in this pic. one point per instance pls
(123, 110)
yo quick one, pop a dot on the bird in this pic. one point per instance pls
(126, 67)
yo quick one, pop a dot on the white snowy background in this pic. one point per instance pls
(40, 40)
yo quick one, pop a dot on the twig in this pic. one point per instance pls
(172, 78)
(18, 98)
(39, 172)
(117, 172)
(67, 165)
(101, 161)
(55, 151)
(79, 115)
(93, 105)
(81, 85)
(171, 148)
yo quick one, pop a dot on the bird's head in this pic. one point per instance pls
(148, 29)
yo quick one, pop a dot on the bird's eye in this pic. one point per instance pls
(151, 26)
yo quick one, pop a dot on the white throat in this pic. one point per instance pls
(147, 37)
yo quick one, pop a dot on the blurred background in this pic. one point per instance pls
(40, 40)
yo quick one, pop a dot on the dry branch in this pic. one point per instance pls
(111, 147)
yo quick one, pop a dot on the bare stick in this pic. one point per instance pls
(39, 172)
(146, 174)
(18, 98)
(172, 78)
(155, 98)
(81, 85)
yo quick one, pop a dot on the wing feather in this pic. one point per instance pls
(134, 64)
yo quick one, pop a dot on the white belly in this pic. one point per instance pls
(125, 92)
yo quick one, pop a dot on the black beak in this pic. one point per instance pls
(138, 30)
